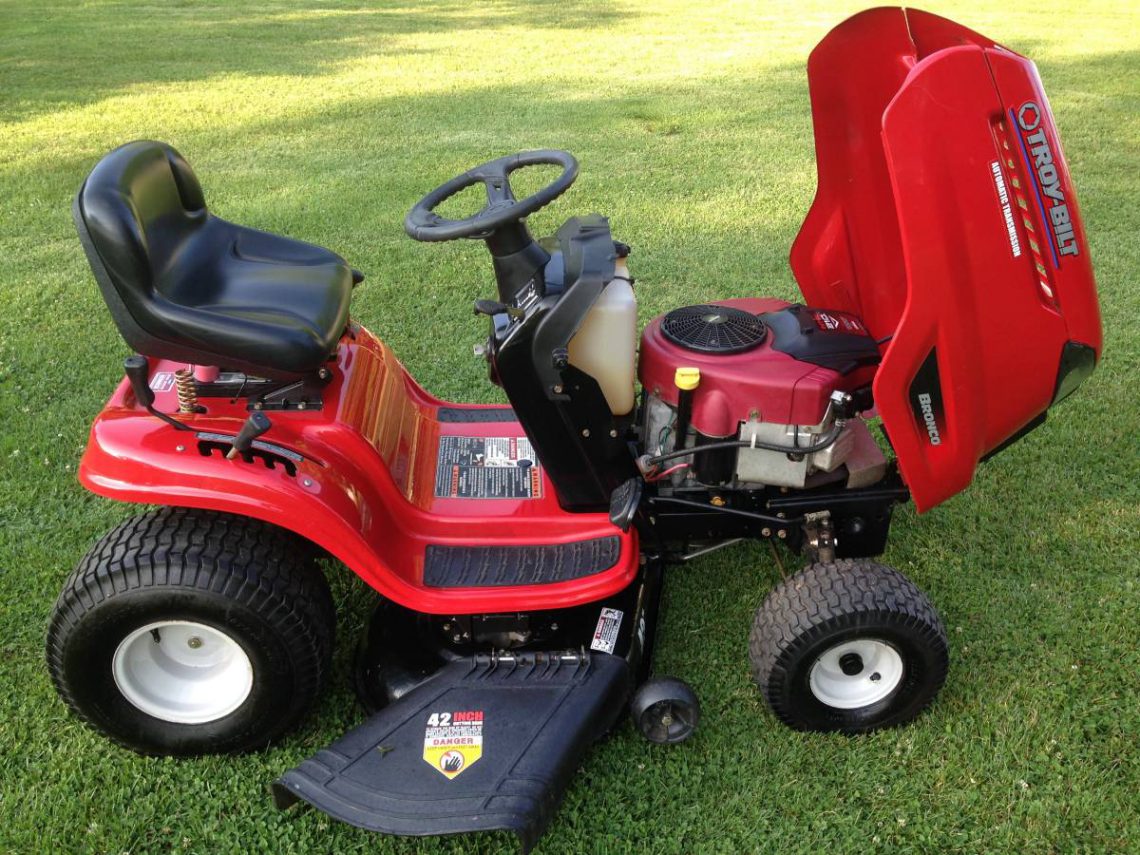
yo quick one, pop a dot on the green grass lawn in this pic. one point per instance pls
(326, 121)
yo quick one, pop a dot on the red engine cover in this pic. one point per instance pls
(735, 387)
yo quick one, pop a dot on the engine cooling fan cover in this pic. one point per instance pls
(713, 329)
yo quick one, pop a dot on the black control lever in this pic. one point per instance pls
(494, 307)
(255, 426)
(138, 371)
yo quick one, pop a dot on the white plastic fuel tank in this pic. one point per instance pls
(605, 346)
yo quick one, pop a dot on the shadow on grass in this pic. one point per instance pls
(61, 53)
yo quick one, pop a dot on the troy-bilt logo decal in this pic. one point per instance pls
(1046, 178)
(926, 399)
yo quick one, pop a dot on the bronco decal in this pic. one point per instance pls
(926, 399)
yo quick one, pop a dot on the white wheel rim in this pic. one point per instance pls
(880, 670)
(183, 672)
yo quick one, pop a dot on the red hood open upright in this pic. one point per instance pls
(947, 220)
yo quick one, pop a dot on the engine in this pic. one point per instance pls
(764, 372)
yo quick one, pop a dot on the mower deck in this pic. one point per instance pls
(489, 743)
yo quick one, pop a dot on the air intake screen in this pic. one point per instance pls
(713, 329)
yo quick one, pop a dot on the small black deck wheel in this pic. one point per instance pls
(849, 646)
(665, 710)
(193, 632)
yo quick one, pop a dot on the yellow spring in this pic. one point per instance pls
(187, 391)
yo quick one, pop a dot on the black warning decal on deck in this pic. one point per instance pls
(487, 467)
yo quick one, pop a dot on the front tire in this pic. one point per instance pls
(848, 646)
(191, 632)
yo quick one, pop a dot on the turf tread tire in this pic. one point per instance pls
(245, 562)
(844, 595)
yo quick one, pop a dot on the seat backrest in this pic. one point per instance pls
(139, 205)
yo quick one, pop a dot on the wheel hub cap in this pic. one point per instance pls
(856, 673)
(667, 722)
(182, 672)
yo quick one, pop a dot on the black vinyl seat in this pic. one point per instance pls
(183, 284)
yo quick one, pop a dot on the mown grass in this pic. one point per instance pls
(327, 121)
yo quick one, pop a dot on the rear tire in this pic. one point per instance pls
(848, 646)
(191, 632)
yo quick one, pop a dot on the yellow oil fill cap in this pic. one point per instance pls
(687, 379)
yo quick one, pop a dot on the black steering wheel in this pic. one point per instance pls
(422, 223)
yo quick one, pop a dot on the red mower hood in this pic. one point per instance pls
(946, 218)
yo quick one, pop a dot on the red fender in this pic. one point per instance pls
(363, 488)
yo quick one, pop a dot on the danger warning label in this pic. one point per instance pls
(487, 467)
(606, 632)
(453, 741)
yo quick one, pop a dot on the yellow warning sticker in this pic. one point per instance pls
(453, 741)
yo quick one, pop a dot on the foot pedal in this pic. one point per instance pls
(488, 743)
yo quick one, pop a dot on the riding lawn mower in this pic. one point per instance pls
(519, 551)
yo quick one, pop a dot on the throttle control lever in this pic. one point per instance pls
(254, 426)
